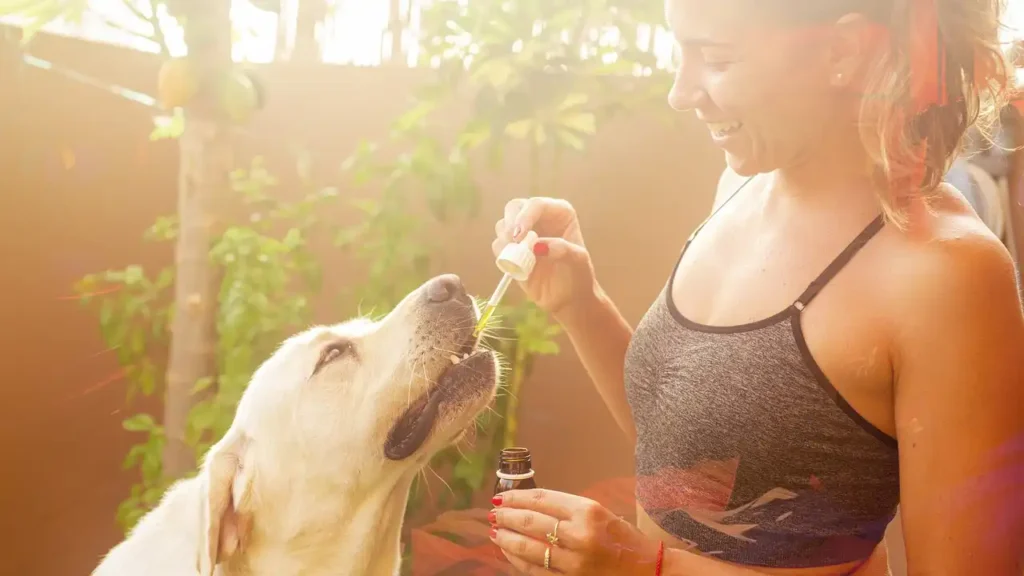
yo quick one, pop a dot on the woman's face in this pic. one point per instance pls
(764, 90)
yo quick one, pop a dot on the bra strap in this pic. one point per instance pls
(842, 260)
(715, 211)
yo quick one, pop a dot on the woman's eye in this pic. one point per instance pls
(716, 66)
(716, 61)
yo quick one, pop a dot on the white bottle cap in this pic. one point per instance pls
(517, 259)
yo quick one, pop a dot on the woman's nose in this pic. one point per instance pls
(683, 96)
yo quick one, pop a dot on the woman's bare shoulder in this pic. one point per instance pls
(947, 256)
(944, 232)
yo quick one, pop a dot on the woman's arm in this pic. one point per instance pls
(959, 401)
(600, 336)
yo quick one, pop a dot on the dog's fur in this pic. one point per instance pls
(314, 474)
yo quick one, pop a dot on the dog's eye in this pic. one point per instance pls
(334, 351)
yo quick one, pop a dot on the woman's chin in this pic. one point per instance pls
(742, 165)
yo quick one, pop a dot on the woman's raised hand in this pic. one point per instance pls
(564, 272)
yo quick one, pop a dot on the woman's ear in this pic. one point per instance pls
(855, 42)
(226, 483)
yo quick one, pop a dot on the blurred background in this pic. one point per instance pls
(349, 150)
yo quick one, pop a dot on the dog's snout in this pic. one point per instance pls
(445, 288)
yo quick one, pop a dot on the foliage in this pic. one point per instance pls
(546, 75)
(269, 278)
(537, 73)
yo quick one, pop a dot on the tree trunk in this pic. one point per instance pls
(203, 184)
(310, 13)
(281, 45)
(395, 27)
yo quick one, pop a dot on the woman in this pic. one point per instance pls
(841, 336)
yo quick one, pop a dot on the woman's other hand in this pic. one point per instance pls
(564, 272)
(591, 539)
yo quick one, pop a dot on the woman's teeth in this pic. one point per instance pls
(723, 129)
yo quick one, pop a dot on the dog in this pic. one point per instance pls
(313, 476)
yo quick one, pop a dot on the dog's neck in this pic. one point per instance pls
(362, 537)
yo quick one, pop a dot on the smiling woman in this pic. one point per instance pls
(841, 336)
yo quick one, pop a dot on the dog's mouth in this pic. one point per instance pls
(469, 377)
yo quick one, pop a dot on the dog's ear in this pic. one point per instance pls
(227, 516)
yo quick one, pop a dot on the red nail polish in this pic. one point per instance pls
(515, 233)
(496, 500)
(494, 533)
(540, 249)
(492, 517)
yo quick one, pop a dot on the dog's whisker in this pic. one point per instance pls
(431, 468)
(426, 483)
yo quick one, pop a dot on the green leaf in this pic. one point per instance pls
(133, 275)
(584, 122)
(493, 73)
(40, 13)
(540, 135)
(574, 100)
(168, 127)
(147, 377)
(415, 116)
(520, 129)
(571, 140)
(201, 385)
(139, 423)
(474, 135)
(545, 347)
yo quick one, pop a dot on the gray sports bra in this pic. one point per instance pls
(744, 449)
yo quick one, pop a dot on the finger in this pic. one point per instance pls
(532, 211)
(557, 504)
(525, 567)
(536, 525)
(532, 551)
(512, 209)
(500, 230)
(498, 245)
(558, 248)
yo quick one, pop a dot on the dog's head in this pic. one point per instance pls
(349, 409)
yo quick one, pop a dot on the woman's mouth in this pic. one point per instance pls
(721, 130)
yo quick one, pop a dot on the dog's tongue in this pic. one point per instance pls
(412, 428)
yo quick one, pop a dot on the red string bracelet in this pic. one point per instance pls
(661, 557)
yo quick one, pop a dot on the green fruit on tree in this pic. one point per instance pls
(239, 97)
(177, 84)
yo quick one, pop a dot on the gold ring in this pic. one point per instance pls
(547, 558)
(553, 535)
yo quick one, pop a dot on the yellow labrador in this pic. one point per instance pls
(314, 474)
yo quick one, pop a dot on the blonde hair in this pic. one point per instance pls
(911, 144)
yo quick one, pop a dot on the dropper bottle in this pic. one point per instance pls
(516, 260)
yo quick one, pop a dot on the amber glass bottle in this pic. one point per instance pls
(515, 470)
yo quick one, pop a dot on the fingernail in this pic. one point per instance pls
(540, 249)
(517, 232)
(494, 533)
(492, 517)
(496, 500)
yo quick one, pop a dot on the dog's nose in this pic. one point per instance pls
(444, 288)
